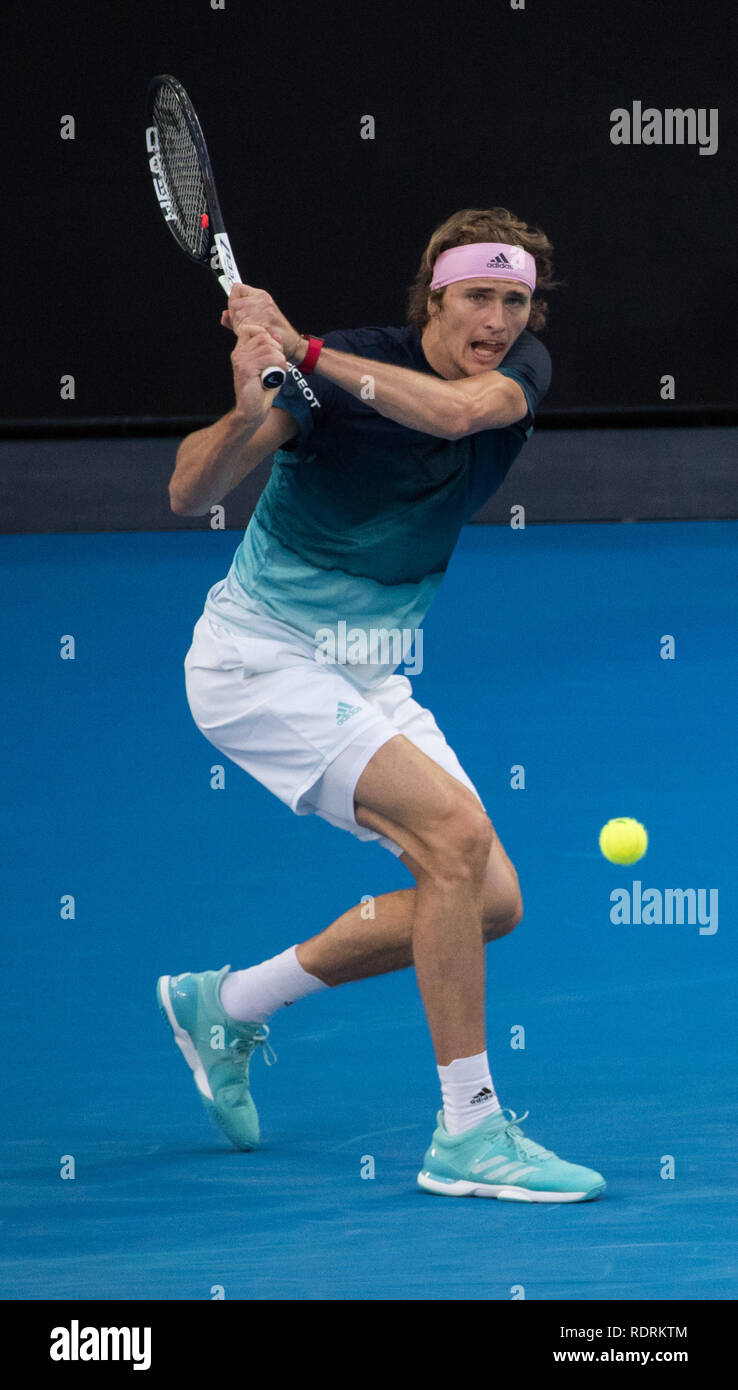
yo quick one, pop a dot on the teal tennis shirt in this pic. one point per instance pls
(360, 515)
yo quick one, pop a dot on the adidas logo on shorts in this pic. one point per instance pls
(344, 711)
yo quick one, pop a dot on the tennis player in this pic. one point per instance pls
(399, 438)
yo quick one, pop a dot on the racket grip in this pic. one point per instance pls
(273, 377)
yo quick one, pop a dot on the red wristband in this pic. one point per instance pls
(311, 356)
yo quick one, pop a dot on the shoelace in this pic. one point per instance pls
(238, 1054)
(243, 1047)
(524, 1148)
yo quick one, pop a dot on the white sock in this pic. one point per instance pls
(468, 1093)
(250, 996)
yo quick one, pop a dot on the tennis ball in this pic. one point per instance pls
(623, 840)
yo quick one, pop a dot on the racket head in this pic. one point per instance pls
(184, 185)
(182, 174)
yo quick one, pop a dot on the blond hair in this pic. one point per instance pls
(482, 224)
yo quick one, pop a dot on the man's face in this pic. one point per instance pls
(476, 324)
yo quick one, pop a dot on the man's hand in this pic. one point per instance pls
(247, 305)
(256, 349)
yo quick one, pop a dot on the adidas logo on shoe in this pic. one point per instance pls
(344, 711)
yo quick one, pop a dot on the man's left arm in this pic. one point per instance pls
(449, 409)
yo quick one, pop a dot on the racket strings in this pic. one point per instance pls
(181, 169)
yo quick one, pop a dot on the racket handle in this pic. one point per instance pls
(272, 377)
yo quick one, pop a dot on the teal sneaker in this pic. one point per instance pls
(217, 1048)
(494, 1159)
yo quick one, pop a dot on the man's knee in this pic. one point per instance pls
(460, 841)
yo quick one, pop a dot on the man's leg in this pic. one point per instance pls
(439, 926)
(447, 840)
(357, 946)
(446, 837)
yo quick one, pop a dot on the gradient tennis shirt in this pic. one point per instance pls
(360, 515)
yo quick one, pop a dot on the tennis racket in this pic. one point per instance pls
(185, 189)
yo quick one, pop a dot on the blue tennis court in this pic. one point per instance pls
(543, 650)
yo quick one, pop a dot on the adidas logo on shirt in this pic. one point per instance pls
(344, 711)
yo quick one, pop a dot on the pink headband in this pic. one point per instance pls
(493, 260)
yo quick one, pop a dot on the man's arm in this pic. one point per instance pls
(211, 462)
(449, 409)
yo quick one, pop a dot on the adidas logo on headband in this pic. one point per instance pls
(464, 262)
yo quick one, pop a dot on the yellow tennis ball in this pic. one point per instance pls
(623, 840)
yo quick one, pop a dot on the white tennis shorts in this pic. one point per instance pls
(306, 731)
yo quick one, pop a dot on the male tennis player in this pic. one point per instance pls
(414, 429)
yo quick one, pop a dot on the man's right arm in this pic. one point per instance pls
(211, 462)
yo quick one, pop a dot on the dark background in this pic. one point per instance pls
(475, 105)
